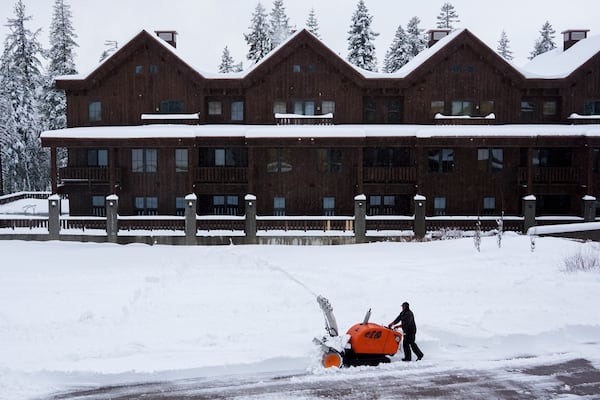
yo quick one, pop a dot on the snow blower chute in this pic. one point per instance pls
(364, 343)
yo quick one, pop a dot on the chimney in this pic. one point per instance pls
(572, 36)
(435, 35)
(168, 36)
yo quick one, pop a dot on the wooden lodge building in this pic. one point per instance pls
(306, 132)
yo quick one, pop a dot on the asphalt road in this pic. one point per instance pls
(576, 378)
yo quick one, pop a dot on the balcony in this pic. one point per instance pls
(389, 174)
(87, 174)
(221, 174)
(551, 175)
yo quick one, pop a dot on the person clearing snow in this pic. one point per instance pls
(409, 327)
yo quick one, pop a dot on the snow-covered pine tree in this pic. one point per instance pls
(61, 62)
(227, 63)
(447, 17)
(416, 37)
(312, 24)
(26, 166)
(504, 47)
(279, 24)
(545, 42)
(259, 38)
(111, 47)
(398, 54)
(360, 40)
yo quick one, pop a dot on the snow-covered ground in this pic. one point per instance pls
(77, 314)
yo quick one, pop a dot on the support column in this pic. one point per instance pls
(54, 217)
(528, 212)
(53, 170)
(112, 217)
(191, 224)
(250, 226)
(360, 219)
(589, 208)
(420, 226)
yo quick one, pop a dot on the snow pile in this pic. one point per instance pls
(81, 313)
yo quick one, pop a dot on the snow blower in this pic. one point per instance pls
(364, 343)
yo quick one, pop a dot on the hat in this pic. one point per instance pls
(405, 304)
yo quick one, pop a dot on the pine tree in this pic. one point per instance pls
(360, 40)
(26, 163)
(279, 24)
(312, 24)
(61, 62)
(228, 64)
(259, 38)
(447, 17)
(545, 42)
(504, 47)
(398, 54)
(111, 47)
(416, 37)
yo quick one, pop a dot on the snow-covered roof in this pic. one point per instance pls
(319, 131)
(559, 63)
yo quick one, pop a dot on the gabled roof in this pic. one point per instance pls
(114, 60)
(559, 63)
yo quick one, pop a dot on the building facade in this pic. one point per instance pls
(306, 132)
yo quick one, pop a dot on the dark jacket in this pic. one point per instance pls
(408, 321)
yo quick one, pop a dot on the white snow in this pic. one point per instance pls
(77, 314)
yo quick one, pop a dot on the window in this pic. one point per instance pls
(437, 107)
(279, 206)
(330, 160)
(591, 107)
(462, 107)
(215, 107)
(382, 205)
(279, 107)
(95, 111)
(311, 68)
(549, 108)
(440, 160)
(279, 161)
(153, 69)
(439, 206)
(139, 69)
(144, 160)
(181, 160)
(223, 157)
(329, 206)
(369, 110)
(393, 108)
(489, 205)
(225, 205)
(328, 107)
(527, 111)
(304, 107)
(490, 160)
(180, 206)
(97, 158)
(237, 111)
(386, 157)
(552, 157)
(98, 206)
(171, 106)
(146, 205)
(296, 68)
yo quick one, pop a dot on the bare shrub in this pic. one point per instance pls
(586, 259)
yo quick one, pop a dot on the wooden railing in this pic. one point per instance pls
(551, 175)
(296, 119)
(389, 174)
(221, 174)
(305, 223)
(95, 174)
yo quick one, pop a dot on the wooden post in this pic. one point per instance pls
(112, 217)
(528, 212)
(250, 226)
(589, 208)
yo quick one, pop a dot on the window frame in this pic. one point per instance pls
(144, 160)
(95, 111)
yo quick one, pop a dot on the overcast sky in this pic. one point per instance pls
(205, 27)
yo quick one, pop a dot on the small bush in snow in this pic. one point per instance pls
(586, 259)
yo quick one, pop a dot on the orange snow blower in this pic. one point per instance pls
(363, 344)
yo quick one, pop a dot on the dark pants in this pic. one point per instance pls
(408, 343)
